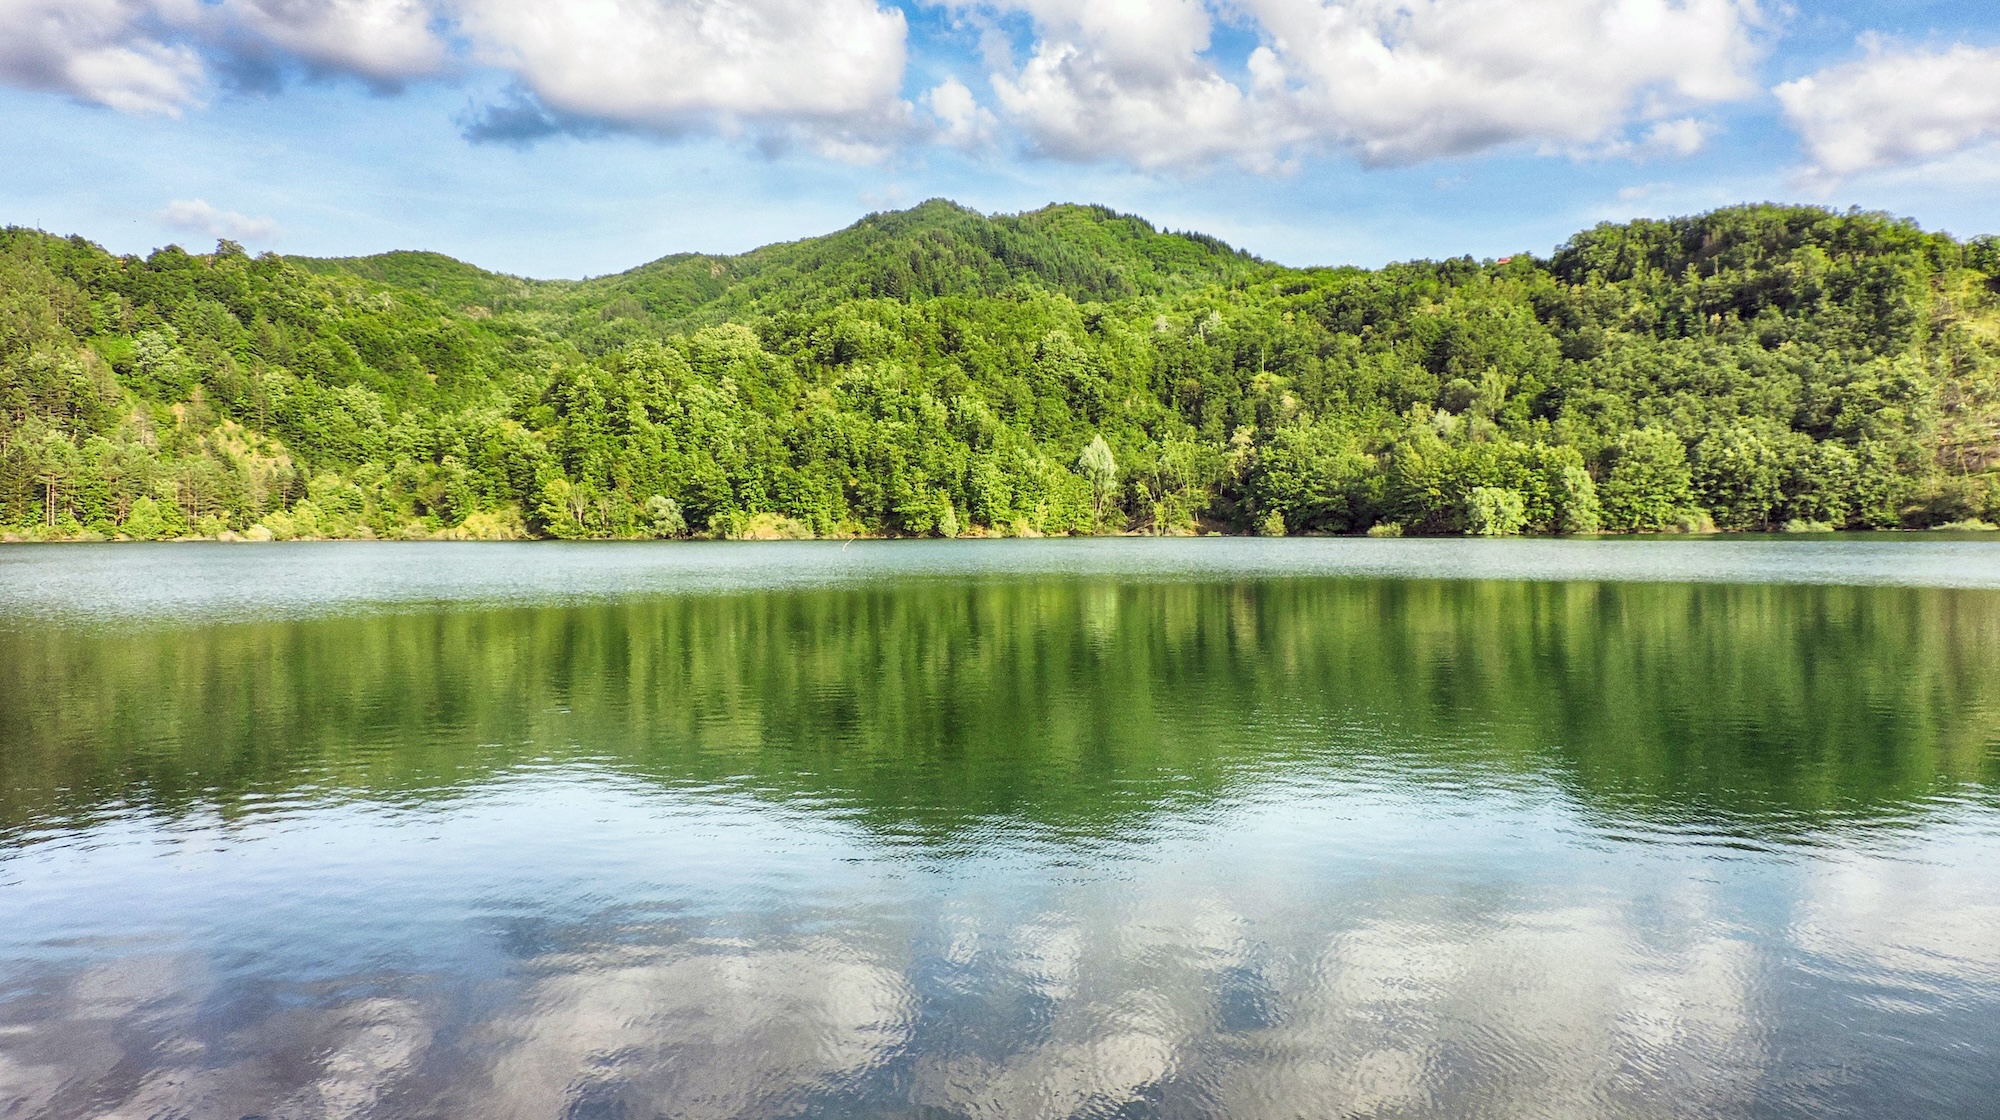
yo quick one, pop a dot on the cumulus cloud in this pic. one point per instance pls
(385, 41)
(827, 69)
(1123, 80)
(1140, 82)
(1126, 80)
(197, 216)
(962, 121)
(107, 52)
(1406, 80)
(1391, 81)
(1894, 107)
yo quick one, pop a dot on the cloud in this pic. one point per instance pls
(1894, 107)
(1138, 82)
(197, 216)
(826, 71)
(1683, 137)
(1673, 139)
(1389, 81)
(520, 119)
(155, 56)
(1400, 81)
(1127, 80)
(100, 51)
(384, 41)
(962, 121)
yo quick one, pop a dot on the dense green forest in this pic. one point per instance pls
(936, 371)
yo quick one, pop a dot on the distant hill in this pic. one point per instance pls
(451, 281)
(938, 248)
(1070, 369)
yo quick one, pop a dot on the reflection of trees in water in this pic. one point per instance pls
(1083, 707)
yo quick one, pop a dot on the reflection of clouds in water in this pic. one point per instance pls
(360, 1049)
(725, 1031)
(1552, 1013)
(710, 1032)
(1423, 1008)
(1929, 923)
(63, 1033)
(1200, 985)
(376, 1040)
(1112, 1030)
(118, 1041)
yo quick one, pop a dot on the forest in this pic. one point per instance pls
(1071, 370)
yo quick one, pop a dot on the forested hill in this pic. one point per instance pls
(940, 372)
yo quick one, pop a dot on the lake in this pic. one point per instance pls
(1006, 829)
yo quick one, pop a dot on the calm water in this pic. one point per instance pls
(1250, 829)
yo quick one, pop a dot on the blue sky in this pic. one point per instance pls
(586, 137)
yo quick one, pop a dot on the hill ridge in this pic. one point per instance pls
(937, 370)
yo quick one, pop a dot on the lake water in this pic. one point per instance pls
(1001, 830)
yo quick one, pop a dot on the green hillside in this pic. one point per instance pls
(938, 371)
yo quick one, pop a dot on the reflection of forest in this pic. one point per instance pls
(1075, 706)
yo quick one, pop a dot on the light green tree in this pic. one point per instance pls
(664, 517)
(1101, 471)
(1495, 511)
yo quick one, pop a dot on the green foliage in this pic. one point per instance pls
(1647, 487)
(1100, 470)
(1495, 511)
(1316, 478)
(940, 372)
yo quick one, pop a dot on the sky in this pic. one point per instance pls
(583, 137)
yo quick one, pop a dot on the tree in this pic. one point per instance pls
(1317, 478)
(664, 517)
(1101, 471)
(939, 370)
(1495, 511)
(1649, 486)
(1740, 476)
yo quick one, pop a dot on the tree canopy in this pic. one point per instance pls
(936, 371)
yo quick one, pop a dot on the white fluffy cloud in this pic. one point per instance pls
(1126, 79)
(832, 67)
(1391, 81)
(147, 56)
(381, 40)
(829, 70)
(99, 51)
(198, 216)
(1134, 81)
(1894, 107)
(962, 121)
(1406, 80)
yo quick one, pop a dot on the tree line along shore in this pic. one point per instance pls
(1071, 370)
